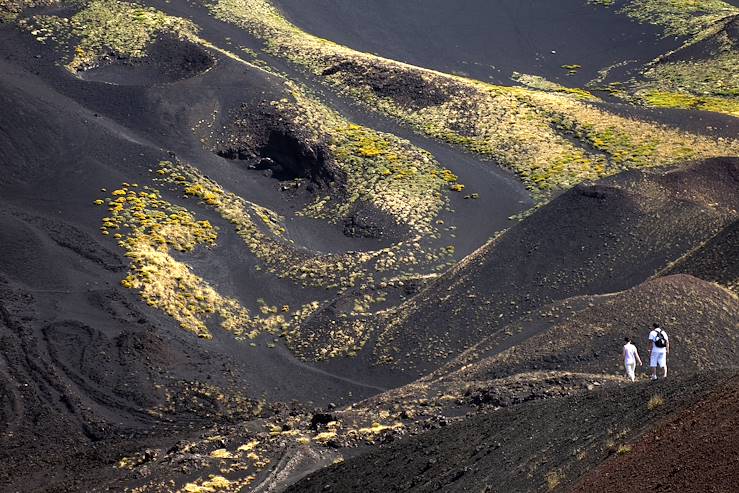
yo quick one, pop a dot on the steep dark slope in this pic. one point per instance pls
(566, 350)
(577, 341)
(694, 449)
(596, 238)
(88, 372)
(169, 60)
(49, 188)
(696, 313)
(717, 260)
(539, 446)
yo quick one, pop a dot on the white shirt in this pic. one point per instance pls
(629, 354)
(653, 336)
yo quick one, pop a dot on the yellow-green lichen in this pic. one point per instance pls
(605, 3)
(325, 270)
(362, 270)
(663, 99)
(710, 84)
(282, 258)
(215, 484)
(707, 79)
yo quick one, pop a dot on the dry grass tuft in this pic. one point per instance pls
(554, 478)
(655, 401)
(623, 449)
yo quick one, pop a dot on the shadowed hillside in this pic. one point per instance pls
(716, 260)
(539, 446)
(593, 239)
(696, 441)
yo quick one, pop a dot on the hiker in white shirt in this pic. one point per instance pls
(631, 357)
(660, 348)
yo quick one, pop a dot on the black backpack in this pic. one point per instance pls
(660, 340)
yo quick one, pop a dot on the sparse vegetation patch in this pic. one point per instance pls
(707, 79)
(108, 28)
(11, 9)
(554, 478)
(623, 449)
(364, 272)
(148, 227)
(519, 127)
(381, 169)
(661, 99)
(655, 401)
(680, 17)
(708, 84)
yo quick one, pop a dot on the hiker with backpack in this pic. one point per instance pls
(659, 351)
(631, 357)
